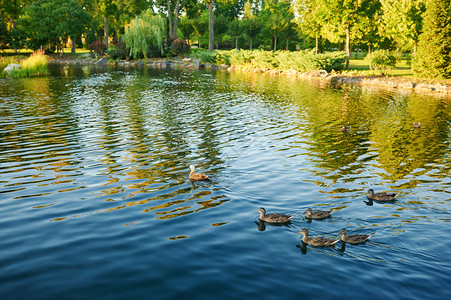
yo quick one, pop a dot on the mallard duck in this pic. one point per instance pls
(317, 214)
(353, 238)
(196, 176)
(381, 196)
(273, 218)
(417, 125)
(345, 128)
(316, 241)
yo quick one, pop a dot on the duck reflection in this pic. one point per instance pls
(261, 225)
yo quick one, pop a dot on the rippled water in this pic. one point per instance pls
(95, 201)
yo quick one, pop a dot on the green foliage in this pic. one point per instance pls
(98, 48)
(49, 21)
(381, 60)
(300, 61)
(433, 59)
(179, 47)
(144, 34)
(203, 55)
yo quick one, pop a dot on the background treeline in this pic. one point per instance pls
(149, 28)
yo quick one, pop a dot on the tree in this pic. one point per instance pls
(144, 34)
(341, 15)
(106, 8)
(311, 18)
(235, 29)
(434, 47)
(403, 21)
(211, 31)
(49, 21)
(276, 18)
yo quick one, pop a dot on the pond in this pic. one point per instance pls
(95, 201)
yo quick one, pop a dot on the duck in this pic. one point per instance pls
(316, 241)
(317, 214)
(381, 196)
(345, 128)
(273, 218)
(417, 125)
(353, 238)
(196, 176)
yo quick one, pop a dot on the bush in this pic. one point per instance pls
(179, 47)
(202, 55)
(381, 60)
(299, 61)
(98, 48)
(118, 50)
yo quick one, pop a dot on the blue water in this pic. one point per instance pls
(95, 201)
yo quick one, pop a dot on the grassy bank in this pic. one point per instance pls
(34, 65)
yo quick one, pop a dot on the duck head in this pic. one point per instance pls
(193, 168)
(262, 211)
(304, 231)
(371, 191)
(343, 232)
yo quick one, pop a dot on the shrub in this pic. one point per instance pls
(381, 60)
(179, 47)
(299, 61)
(98, 48)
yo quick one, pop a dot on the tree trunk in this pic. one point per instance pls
(415, 47)
(176, 19)
(317, 43)
(211, 32)
(251, 43)
(73, 45)
(369, 48)
(106, 31)
(275, 43)
(236, 43)
(170, 20)
(287, 44)
(348, 53)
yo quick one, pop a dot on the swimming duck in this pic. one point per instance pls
(316, 241)
(353, 238)
(196, 176)
(273, 218)
(345, 128)
(317, 214)
(417, 125)
(381, 196)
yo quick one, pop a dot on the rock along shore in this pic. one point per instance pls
(335, 79)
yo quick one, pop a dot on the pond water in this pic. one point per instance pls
(95, 201)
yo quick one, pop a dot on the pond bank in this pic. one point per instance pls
(439, 87)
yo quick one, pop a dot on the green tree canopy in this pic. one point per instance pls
(47, 22)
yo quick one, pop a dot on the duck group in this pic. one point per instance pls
(280, 219)
(353, 239)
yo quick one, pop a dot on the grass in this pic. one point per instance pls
(35, 65)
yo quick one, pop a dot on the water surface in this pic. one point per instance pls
(95, 201)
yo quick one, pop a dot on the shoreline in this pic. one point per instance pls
(429, 86)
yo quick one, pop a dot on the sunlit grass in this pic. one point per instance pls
(35, 65)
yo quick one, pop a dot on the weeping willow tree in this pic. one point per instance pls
(144, 34)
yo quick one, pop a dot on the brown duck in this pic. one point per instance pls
(196, 176)
(345, 128)
(417, 125)
(317, 214)
(353, 238)
(316, 241)
(380, 196)
(273, 218)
